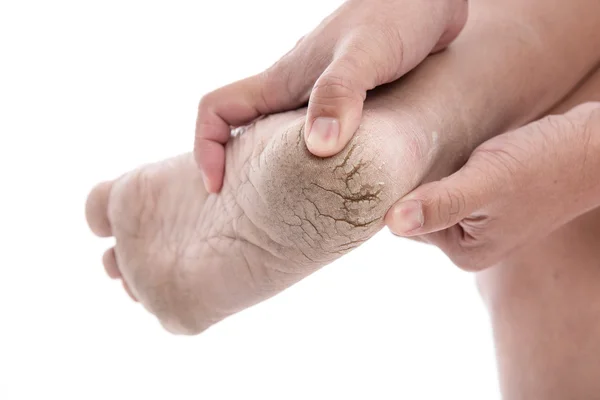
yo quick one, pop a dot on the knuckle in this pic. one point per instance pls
(394, 53)
(268, 81)
(333, 88)
(451, 205)
(552, 128)
(579, 128)
(379, 48)
(278, 75)
(286, 79)
(208, 102)
(502, 159)
(204, 102)
(283, 83)
(457, 203)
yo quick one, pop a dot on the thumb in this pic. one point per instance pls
(516, 163)
(370, 57)
(440, 205)
(335, 106)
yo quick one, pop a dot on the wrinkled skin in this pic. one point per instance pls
(360, 46)
(192, 258)
(543, 173)
(543, 298)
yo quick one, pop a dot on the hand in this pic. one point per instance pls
(360, 46)
(514, 188)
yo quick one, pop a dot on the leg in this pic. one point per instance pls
(544, 303)
(193, 259)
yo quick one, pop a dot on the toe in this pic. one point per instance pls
(96, 209)
(110, 264)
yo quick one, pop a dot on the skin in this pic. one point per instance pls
(543, 173)
(362, 45)
(192, 258)
(172, 250)
(544, 295)
(526, 206)
(116, 208)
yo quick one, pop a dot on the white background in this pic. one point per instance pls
(91, 89)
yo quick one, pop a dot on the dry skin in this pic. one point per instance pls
(193, 259)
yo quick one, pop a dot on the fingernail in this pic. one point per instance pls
(407, 217)
(324, 134)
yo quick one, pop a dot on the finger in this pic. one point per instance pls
(110, 264)
(515, 162)
(336, 104)
(369, 58)
(233, 105)
(274, 90)
(439, 205)
(210, 157)
(529, 178)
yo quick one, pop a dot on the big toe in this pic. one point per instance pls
(96, 209)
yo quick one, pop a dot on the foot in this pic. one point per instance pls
(193, 259)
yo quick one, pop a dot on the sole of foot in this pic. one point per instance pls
(193, 259)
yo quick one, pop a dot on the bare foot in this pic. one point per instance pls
(192, 259)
